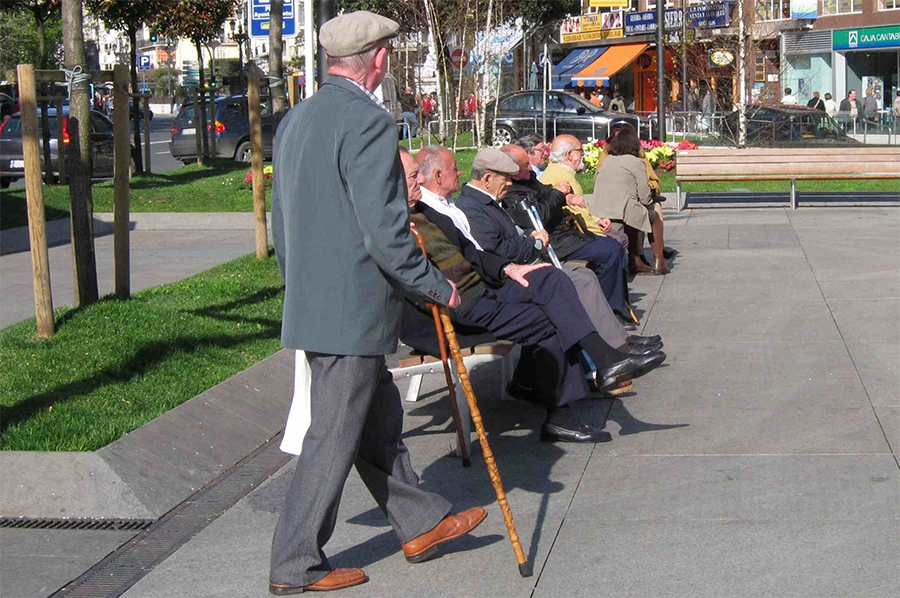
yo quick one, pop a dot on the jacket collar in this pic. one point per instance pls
(477, 193)
(353, 87)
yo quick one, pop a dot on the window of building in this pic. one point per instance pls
(773, 10)
(889, 4)
(839, 7)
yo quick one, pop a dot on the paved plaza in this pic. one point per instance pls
(760, 461)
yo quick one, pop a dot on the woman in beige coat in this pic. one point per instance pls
(623, 194)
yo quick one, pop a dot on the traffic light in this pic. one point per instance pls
(153, 37)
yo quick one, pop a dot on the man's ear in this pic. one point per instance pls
(381, 59)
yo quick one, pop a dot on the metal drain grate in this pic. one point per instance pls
(115, 574)
(115, 525)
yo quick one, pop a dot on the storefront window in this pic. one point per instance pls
(839, 7)
(773, 10)
(889, 4)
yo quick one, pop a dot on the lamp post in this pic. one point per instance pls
(240, 37)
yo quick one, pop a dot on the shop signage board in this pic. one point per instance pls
(592, 36)
(709, 16)
(608, 3)
(258, 16)
(639, 23)
(866, 38)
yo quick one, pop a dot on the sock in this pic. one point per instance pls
(600, 352)
(559, 416)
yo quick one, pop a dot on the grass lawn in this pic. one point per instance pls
(117, 364)
(216, 187)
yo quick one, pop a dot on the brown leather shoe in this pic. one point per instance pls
(637, 266)
(424, 547)
(660, 267)
(336, 579)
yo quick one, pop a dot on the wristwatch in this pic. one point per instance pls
(538, 245)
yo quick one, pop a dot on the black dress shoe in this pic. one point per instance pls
(636, 365)
(573, 432)
(627, 323)
(636, 339)
(523, 393)
(634, 349)
(669, 253)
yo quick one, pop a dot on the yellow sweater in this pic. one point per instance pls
(555, 173)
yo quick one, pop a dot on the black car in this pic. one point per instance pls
(784, 124)
(232, 124)
(521, 113)
(12, 161)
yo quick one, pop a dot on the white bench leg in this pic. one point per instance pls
(678, 205)
(465, 416)
(415, 383)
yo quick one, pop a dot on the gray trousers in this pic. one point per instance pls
(595, 304)
(356, 419)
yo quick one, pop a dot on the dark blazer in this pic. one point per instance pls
(549, 203)
(493, 228)
(341, 228)
(844, 107)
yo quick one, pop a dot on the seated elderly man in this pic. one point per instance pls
(537, 150)
(566, 160)
(494, 231)
(533, 305)
(441, 175)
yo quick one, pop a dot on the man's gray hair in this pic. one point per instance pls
(431, 160)
(355, 63)
(477, 174)
(528, 142)
(564, 147)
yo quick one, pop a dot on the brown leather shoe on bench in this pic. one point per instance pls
(336, 579)
(424, 547)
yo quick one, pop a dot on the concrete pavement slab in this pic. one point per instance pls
(875, 320)
(800, 321)
(40, 484)
(36, 563)
(889, 416)
(738, 217)
(816, 489)
(878, 365)
(872, 285)
(696, 559)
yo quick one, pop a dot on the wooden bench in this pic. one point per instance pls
(417, 365)
(785, 164)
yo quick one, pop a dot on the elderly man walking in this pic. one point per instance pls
(340, 225)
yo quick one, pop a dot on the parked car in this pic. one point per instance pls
(521, 112)
(782, 124)
(12, 161)
(232, 124)
(139, 115)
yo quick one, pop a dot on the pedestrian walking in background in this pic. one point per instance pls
(618, 104)
(816, 102)
(830, 105)
(870, 106)
(788, 97)
(340, 224)
(851, 109)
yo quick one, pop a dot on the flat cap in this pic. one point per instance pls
(494, 160)
(355, 33)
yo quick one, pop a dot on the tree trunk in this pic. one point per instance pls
(276, 66)
(433, 44)
(42, 40)
(134, 115)
(200, 115)
(79, 155)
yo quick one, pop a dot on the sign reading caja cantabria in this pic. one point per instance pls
(866, 38)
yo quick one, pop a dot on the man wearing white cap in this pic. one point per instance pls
(340, 226)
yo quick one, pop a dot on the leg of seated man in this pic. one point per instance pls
(606, 258)
(595, 304)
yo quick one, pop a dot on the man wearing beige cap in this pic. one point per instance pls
(340, 227)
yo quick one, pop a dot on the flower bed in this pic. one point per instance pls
(661, 155)
(267, 177)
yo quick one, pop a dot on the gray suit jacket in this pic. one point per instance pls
(341, 226)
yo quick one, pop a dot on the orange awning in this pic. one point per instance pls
(609, 63)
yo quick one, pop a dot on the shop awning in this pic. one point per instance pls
(572, 64)
(608, 64)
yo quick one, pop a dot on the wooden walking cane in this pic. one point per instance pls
(442, 345)
(446, 328)
(524, 568)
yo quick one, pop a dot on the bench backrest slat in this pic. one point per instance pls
(788, 161)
